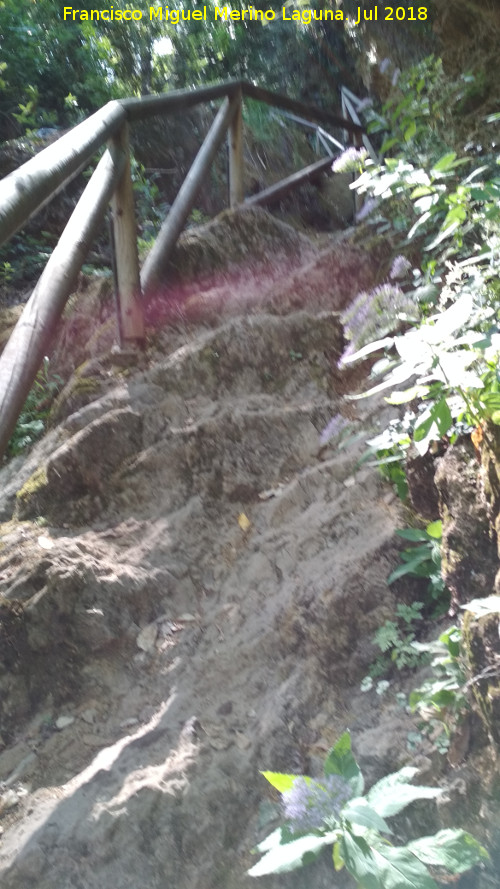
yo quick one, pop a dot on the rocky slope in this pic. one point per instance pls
(189, 586)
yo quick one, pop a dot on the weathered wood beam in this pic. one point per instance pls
(178, 100)
(235, 144)
(310, 112)
(128, 285)
(157, 260)
(27, 189)
(281, 188)
(30, 339)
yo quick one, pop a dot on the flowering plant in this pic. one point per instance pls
(332, 811)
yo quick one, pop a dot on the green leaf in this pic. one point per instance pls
(410, 131)
(359, 861)
(407, 395)
(421, 190)
(426, 293)
(358, 811)
(491, 400)
(291, 855)
(367, 350)
(338, 861)
(398, 868)
(413, 534)
(438, 414)
(416, 554)
(444, 697)
(279, 781)
(421, 221)
(451, 639)
(387, 144)
(445, 163)
(455, 850)
(340, 761)
(423, 427)
(274, 839)
(410, 567)
(443, 234)
(393, 793)
(483, 607)
(442, 416)
(435, 529)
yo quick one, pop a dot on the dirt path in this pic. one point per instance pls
(197, 605)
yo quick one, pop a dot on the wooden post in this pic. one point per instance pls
(235, 143)
(157, 259)
(31, 337)
(126, 259)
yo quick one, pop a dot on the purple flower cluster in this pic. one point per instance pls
(374, 314)
(309, 804)
(399, 268)
(350, 160)
(336, 425)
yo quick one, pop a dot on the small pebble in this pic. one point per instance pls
(128, 722)
(63, 722)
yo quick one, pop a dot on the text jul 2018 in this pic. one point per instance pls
(225, 13)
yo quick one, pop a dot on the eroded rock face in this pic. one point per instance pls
(82, 466)
(422, 490)
(468, 487)
(469, 550)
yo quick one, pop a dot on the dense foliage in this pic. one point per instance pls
(53, 69)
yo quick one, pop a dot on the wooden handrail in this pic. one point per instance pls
(308, 111)
(165, 103)
(25, 191)
(28, 343)
(29, 188)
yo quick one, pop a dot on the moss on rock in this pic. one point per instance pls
(30, 498)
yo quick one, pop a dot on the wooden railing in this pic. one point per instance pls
(25, 191)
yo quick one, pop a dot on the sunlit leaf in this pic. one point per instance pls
(483, 607)
(280, 781)
(445, 163)
(289, 856)
(358, 811)
(392, 794)
(435, 529)
(456, 850)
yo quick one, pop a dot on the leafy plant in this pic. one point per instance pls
(442, 699)
(453, 362)
(6, 272)
(31, 423)
(423, 560)
(388, 453)
(395, 639)
(334, 811)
